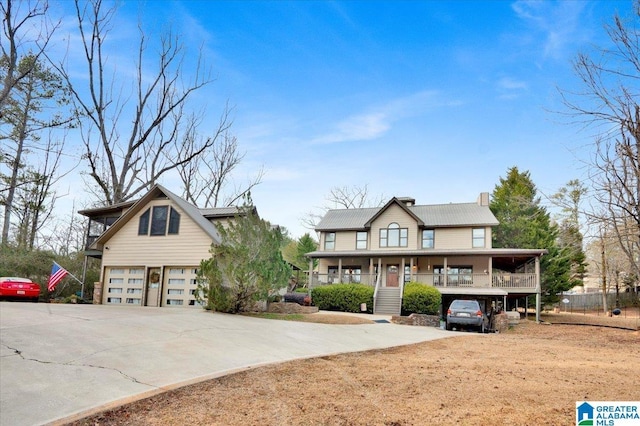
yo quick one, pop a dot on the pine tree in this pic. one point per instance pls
(524, 223)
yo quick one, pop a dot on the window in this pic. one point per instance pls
(114, 300)
(361, 240)
(394, 236)
(133, 301)
(115, 271)
(115, 290)
(136, 271)
(143, 224)
(176, 271)
(158, 217)
(478, 237)
(134, 280)
(159, 220)
(174, 222)
(174, 302)
(176, 281)
(427, 238)
(175, 291)
(330, 241)
(116, 280)
(134, 290)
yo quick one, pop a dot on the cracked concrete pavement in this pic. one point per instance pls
(59, 361)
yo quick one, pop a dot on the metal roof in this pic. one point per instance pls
(495, 252)
(436, 216)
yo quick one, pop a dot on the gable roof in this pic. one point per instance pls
(398, 203)
(427, 216)
(158, 190)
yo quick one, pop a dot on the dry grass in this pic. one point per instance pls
(533, 374)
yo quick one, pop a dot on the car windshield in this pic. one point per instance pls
(464, 304)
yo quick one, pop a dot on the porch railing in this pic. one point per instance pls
(497, 280)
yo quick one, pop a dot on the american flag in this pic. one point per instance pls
(57, 274)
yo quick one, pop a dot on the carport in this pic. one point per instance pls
(483, 295)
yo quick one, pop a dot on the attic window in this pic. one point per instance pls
(159, 220)
(163, 220)
(143, 224)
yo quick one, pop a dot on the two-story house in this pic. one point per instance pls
(150, 249)
(447, 246)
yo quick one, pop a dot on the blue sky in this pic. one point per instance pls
(433, 100)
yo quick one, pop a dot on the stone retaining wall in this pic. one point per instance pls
(290, 308)
(417, 319)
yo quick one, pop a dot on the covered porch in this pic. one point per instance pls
(514, 271)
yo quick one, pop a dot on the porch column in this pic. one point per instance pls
(403, 263)
(538, 290)
(371, 274)
(339, 269)
(490, 266)
(411, 266)
(379, 274)
(445, 271)
(309, 284)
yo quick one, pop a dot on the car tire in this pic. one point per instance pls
(449, 326)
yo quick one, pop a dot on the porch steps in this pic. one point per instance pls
(388, 301)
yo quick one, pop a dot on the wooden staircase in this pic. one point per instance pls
(388, 301)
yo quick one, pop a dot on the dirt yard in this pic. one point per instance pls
(532, 374)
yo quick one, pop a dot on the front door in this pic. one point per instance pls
(392, 275)
(153, 287)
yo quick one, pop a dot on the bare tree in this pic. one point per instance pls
(37, 199)
(345, 197)
(27, 31)
(207, 177)
(133, 136)
(609, 102)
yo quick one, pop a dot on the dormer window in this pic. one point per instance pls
(159, 220)
(394, 236)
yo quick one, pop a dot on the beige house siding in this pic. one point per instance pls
(394, 214)
(188, 247)
(453, 238)
(346, 240)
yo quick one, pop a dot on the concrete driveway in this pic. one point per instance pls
(58, 361)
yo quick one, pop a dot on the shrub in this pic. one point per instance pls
(420, 299)
(343, 297)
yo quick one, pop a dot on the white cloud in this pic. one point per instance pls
(357, 128)
(559, 22)
(377, 121)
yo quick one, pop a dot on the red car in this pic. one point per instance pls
(19, 288)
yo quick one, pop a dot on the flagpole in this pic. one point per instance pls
(69, 273)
